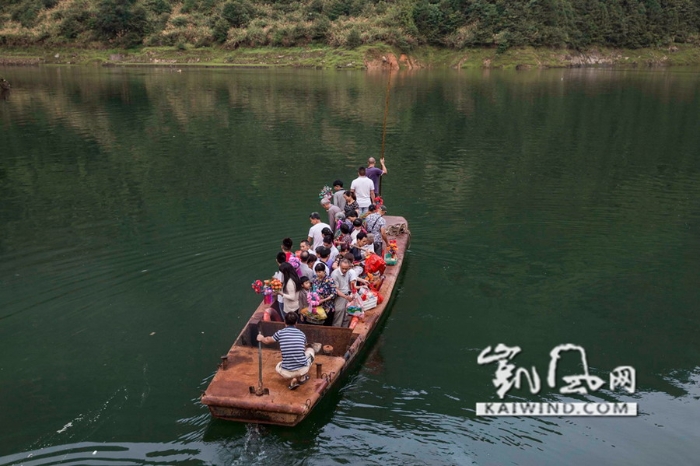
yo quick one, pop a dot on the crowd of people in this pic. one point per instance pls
(327, 266)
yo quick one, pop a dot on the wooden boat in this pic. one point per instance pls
(231, 395)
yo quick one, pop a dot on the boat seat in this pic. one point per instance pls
(339, 338)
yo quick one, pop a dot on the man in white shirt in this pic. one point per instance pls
(363, 188)
(316, 230)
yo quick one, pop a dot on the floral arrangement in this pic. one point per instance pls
(258, 286)
(275, 284)
(314, 299)
(393, 248)
(267, 287)
(295, 262)
(326, 192)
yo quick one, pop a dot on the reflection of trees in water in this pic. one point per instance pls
(519, 136)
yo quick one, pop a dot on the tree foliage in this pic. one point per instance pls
(404, 23)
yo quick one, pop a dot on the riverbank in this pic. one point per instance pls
(369, 57)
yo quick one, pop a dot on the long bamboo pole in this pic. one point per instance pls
(386, 115)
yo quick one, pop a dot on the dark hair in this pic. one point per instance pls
(338, 183)
(345, 228)
(288, 273)
(312, 259)
(357, 222)
(287, 244)
(327, 231)
(343, 247)
(304, 279)
(372, 207)
(281, 257)
(324, 252)
(349, 256)
(351, 194)
(361, 171)
(304, 256)
(352, 213)
(328, 239)
(361, 235)
(305, 241)
(291, 318)
(320, 267)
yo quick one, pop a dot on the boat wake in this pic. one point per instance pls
(126, 454)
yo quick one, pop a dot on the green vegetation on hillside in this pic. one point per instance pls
(404, 24)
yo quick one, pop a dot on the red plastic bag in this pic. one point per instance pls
(374, 264)
(380, 298)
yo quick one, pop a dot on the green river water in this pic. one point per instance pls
(546, 207)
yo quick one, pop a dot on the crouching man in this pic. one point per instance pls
(296, 357)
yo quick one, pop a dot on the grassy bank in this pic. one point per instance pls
(364, 57)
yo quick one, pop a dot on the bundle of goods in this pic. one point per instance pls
(368, 299)
(375, 264)
(375, 282)
(355, 306)
(314, 314)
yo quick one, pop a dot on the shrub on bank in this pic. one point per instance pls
(404, 23)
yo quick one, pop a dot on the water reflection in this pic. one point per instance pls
(546, 207)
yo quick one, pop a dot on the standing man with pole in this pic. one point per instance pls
(374, 173)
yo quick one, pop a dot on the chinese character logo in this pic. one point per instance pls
(508, 375)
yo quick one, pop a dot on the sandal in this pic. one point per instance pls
(303, 379)
(294, 384)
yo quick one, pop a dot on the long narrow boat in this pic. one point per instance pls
(234, 393)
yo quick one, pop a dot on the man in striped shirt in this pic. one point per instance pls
(296, 357)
